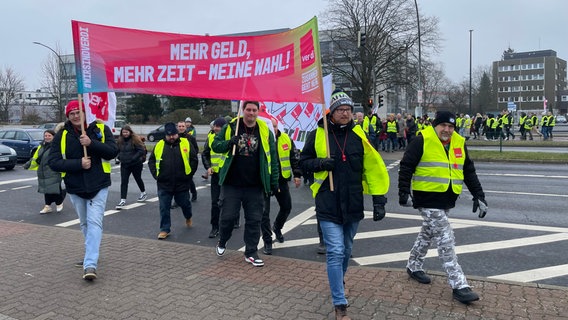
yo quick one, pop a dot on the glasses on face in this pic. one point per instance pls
(343, 110)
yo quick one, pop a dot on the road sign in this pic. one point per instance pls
(511, 106)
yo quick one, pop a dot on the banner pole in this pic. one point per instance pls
(323, 107)
(82, 117)
(237, 127)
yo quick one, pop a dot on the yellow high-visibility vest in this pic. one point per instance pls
(105, 163)
(216, 158)
(375, 175)
(436, 168)
(284, 152)
(184, 148)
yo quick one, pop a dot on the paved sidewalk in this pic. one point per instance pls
(151, 279)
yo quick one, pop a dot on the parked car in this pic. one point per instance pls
(157, 134)
(48, 125)
(8, 157)
(561, 119)
(118, 124)
(24, 141)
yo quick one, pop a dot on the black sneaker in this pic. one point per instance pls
(465, 295)
(267, 248)
(214, 233)
(90, 274)
(278, 235)
(220, 249)
(79, 264)
(419, 276)
(254, 260)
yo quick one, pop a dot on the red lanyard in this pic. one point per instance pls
(343, 158)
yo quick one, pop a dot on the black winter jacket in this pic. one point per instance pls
(84, 183)
(436, 200)
(130, 154)
(345, 203)
(172, 176)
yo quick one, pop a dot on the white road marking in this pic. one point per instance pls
(17, 180)
(470, 248)
(534, 274)
(522, 175)
(22, 187)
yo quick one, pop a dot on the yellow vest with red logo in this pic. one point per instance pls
(436, 168)
(184, 151)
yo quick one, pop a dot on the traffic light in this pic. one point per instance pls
(381, 101)
(361, 38)
(370, 103)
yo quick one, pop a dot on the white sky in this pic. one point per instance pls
(524, 25)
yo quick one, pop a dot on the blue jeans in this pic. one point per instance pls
(91, 213)
(165, 197)
(339, 243)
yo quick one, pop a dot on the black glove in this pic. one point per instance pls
(273, 190)
(327, 164)
(480, 203)
(379, 207)
(234, 141)
(403, 198)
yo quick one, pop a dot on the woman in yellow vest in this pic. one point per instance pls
(434, 167)
(48, 181)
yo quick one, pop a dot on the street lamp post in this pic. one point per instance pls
(62, 72)
(418, 111)
(470, 31)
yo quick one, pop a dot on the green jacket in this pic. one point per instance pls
(268, 158)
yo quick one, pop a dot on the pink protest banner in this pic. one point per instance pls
(284, 66)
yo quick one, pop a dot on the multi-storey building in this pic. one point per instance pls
(529, 81)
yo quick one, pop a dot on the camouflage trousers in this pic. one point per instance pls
(436, 228)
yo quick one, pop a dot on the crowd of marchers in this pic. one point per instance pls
(249, 161)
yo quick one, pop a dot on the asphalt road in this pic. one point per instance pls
(523, 237)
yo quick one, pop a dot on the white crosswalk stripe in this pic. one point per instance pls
(557, 234)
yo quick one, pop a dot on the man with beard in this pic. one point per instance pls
(436, 165)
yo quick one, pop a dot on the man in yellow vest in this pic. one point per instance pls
(287, 159)
(211, 161)
(170, 164)
(356, 168)
(249, 172)
(435, 166)
(86, 176)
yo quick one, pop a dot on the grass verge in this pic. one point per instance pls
(540, 157)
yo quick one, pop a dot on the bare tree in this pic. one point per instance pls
(390, 48)
(55, 83)
(434, 84)
(10, 84)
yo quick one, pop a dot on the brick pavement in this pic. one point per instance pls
(151, 279)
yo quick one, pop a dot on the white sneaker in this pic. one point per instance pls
(121, 204)
(142, 197)
(59, 207)
(46, 209)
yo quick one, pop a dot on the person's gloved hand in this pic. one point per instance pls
(234, 141)
(273, 190)
(379, 211)
(327, 164)
(481, 204)
(404, 197)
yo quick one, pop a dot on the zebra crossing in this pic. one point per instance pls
(553, 234)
